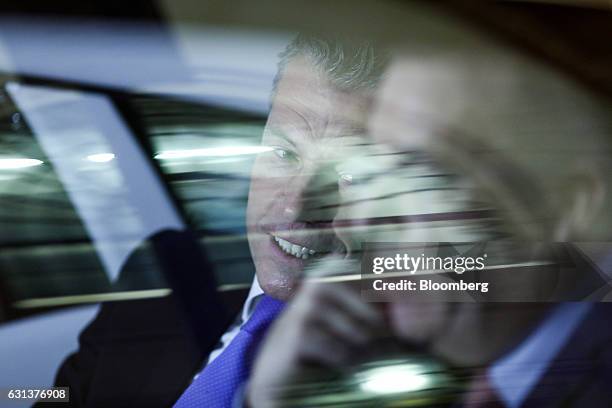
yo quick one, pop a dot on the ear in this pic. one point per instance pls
(582, 198)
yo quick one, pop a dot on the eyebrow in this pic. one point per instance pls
(278, 132)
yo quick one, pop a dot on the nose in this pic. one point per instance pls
(313, 197)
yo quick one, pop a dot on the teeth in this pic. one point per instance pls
(293, 249)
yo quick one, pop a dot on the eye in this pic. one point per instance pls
(285, 154)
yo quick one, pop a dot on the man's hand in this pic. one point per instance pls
(324, 325)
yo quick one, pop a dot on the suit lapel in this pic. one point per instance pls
(576, 366)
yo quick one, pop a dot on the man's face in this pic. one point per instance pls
(294, 190)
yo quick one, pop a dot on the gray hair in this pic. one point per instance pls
(348, 64)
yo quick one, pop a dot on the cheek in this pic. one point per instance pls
(255, 203)
(271, 198)
(263, 192)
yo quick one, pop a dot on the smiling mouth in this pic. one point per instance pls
(297, 251)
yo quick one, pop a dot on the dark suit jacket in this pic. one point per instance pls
(581, 374)
(139, 353)
(144, 353)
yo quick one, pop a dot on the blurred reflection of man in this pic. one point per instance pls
(535, 147)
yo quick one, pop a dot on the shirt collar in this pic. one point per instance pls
(254, 295)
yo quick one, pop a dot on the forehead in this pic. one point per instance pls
(305, 96)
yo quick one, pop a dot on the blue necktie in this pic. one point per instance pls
(216, 385)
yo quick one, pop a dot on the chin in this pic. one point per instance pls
(277, 284)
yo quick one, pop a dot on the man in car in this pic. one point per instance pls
(519, 138)
(317, 116)
(317, 125)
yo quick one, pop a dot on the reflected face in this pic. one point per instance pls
(295, 186)
(478, 120)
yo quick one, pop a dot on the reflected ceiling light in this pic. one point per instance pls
(213, 152)
(394, 379)
(18, 163)
(101, 157)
